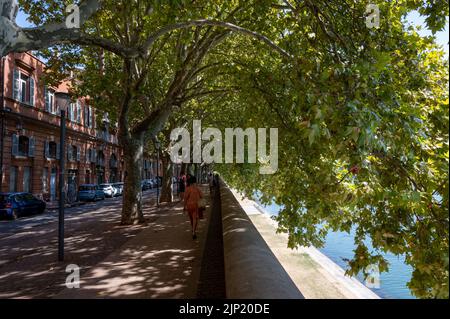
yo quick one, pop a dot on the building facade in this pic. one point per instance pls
(31, 135)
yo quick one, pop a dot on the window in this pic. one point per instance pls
(23, 88)
(79, 112)
(52, 150)
(86, 188)
(73, 153)
(74, 113)
(113, 161)
(50, 102)
(100, 159)
(24, 144)
(24, 198)
(13, 179)
(91, 155)
(71, 111)
(28, 197)
(91, 118)
(27, 179)
(88, 116)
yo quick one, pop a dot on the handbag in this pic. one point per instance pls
(201, 208)
(202, 203)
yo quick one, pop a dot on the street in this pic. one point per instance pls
(28, 252)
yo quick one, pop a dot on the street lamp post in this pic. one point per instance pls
(61, 187)
(178, 176)
(158, 145)
(64, 97)
(2, 136)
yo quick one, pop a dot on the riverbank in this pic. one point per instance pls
(315, 275)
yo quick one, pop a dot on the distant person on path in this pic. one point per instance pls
(191, 203)
(182, 186)
(211, 182)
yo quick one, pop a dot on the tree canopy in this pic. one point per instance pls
(362, 113)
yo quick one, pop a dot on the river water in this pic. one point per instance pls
(339, 246)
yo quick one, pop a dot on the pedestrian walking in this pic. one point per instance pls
(182, 186)
(191, 203)
(211, 182)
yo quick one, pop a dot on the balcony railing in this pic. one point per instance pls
(107, 137)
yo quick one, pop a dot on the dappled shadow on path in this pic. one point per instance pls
(28, 266)
(161, 262)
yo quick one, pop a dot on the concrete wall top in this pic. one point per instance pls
(251, 269)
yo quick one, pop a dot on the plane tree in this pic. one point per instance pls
(363, 141)
(140, 58)
(362, 112)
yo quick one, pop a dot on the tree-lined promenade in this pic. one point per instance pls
(362, 112)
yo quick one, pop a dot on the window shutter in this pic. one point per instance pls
(78, 154)
(78, 112)
(31, 147)
(58, 151)
(31, 91)
(16, 84)
(72, 112)
(47, 100)
(88, 157)
(15, 145)
(69, 153)
(90, 117)
(93, 123)
(47, 150)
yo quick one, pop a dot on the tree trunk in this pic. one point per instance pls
(167, 184)
(132, 198)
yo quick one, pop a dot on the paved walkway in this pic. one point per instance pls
(29, 246)
(160, 262)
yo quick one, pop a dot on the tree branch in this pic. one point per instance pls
(213, 23)
(205, 93)
(16, 39)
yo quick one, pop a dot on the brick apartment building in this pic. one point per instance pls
(31, 127)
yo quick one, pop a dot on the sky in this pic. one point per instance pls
(442, 38)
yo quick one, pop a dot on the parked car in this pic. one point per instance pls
(108, 189)
(119, 188)
(90, 192)
(144, 186)
(15, 205)
(150, 183)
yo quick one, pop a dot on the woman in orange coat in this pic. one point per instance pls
(192, 198)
